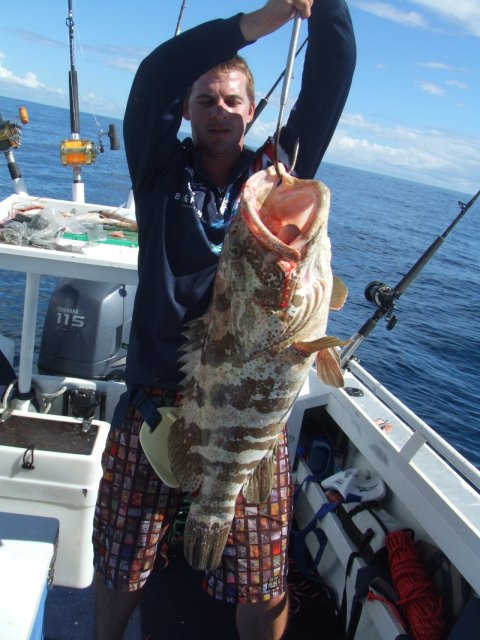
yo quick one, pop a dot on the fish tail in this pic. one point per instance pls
(203, 544)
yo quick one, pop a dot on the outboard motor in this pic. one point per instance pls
(86, 330)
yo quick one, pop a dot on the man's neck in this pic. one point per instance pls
(218, 170)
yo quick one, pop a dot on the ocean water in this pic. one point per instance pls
(379, 227)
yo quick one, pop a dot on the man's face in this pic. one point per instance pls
(219, 110)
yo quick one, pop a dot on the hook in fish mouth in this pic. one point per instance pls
(275, 160)
(277, 163)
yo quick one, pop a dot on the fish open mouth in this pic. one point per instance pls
(285, 217)
(290, 217)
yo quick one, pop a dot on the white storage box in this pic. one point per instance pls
(27, 556)
(50, 467)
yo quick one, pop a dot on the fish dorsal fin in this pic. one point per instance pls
(339, 294)
(259, 484)
(194, 332)
(328, 368)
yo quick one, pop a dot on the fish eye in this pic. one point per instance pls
(234, 250)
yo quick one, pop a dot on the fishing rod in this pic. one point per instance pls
(179, 21)
(72, 76)
(385, 297)
(264, 101)
(76, 152)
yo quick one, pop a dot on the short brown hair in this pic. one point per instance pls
(237, 63)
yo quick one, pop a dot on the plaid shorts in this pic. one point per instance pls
(134, 510)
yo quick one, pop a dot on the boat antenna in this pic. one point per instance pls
(177, 29)
(385, 297)
(264, 101)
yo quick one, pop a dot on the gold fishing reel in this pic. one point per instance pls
(77, 152)
(11, 132)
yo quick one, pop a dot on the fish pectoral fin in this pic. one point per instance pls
(259, 484)
(328, 368)
(327, 342)
(339, 294)
(203, 545)
(328, 361)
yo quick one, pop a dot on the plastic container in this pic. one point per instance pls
(50, 467)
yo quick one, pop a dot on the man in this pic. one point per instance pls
(185, 194)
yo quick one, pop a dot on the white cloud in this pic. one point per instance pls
(28, 81)
(464, 13)
(389, 12)
(261, 130)
(123, 64)
(437, 66)
(432, 156)
(431, 88)
(457, 84)
(34, 37)
(100, 104)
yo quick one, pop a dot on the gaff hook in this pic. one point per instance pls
(285, 90)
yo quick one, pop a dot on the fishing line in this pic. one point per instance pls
(82, 55)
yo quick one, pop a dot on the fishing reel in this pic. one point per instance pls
(11, 132)
(77, 152)
(385, 298)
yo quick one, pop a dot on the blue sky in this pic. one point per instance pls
(413, 111)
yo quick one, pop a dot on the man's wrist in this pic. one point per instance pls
(254, 25)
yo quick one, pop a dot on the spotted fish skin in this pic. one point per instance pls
(249, 355)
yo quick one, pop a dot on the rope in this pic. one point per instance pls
(302, 588)
(417, 596)
(371, 595)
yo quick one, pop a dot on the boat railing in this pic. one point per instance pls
(422, 432)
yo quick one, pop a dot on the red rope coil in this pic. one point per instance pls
(418, 599)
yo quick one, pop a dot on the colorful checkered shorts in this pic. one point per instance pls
(135, 509)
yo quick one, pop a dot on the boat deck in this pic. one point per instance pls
(173, 607)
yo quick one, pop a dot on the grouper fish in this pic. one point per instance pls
(249, 355)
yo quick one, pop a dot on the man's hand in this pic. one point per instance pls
(273, 15)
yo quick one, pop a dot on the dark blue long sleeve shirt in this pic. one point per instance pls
(181, 216)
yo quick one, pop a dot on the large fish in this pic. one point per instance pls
(249, 355)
